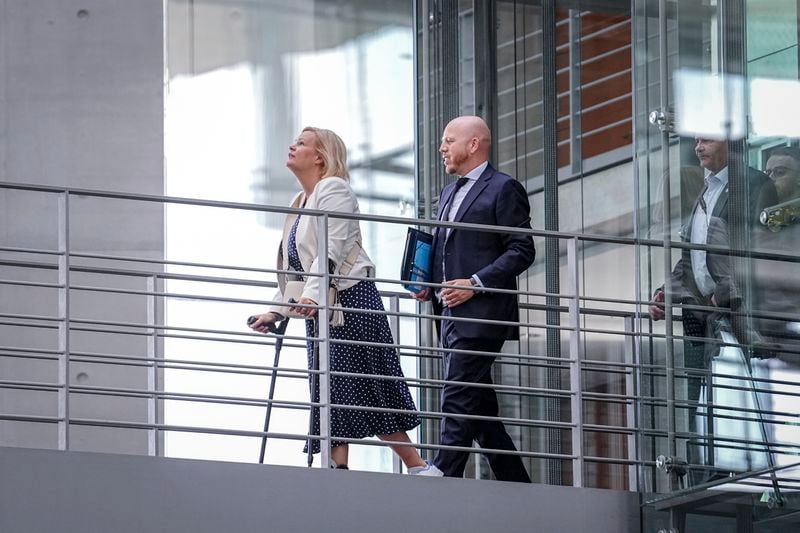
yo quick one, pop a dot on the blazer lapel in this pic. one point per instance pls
(687, 233)
(474, 192)
(446, 199)
(722, 204)
(283, 254)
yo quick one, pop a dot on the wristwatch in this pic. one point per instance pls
(473, 281)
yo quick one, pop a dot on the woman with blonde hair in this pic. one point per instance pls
(319, 160)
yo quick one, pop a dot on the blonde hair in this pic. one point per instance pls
(333, 151)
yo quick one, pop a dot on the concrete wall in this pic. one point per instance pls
(79, 492)
(81, 105)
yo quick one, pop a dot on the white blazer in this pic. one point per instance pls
(330, 194)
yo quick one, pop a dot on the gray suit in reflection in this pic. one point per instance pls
(720, 290)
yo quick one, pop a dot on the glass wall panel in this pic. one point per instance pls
(717, 173)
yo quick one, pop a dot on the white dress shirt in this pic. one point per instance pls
(715, 184)
(458, 199)
(461, 193)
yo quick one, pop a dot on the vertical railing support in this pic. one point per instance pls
(63, 325)
(632, 406)
(323, 317)
(669, 355)
(394, 326)
(575, 357)
(152, 367)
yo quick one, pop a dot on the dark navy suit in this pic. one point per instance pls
(497, 259)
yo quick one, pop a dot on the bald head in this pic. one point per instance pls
(466, 142)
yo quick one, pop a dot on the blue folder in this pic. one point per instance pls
(417, 259)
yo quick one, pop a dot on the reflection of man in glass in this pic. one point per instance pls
(783, 166)
(701, 279)
(778, 288)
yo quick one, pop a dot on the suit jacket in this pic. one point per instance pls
(330, 194)
(496, 258)
(777, 290)
(761, 194)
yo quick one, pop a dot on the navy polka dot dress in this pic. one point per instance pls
(374, 360)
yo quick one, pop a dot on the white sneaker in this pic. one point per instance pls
(428, 470)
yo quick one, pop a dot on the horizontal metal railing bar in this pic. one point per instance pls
(726, 441)
(307, 372)
(523, 422)
(229, 368)
(222, 368)
(30, 385)
(617, 430)
(286, 436)
(187, 429)
(30, 357)
(43, 351)
(187, 296)
(471, 450)
(503, 359)
(409, 349)
(254, 336)
(687, 436)
(257, 402)
(41, 284)
(685, 373)
(261, 434)
(31, 418)
(684, 436)
(608, 239)
(46, 318)
(230, 432)
(171, 262)
(23, 250)
(613, 460)
(309, 212)
(606, 398)
(689, 372)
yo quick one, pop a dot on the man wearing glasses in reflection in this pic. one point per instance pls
(783, 167)
(705, 279)
(778, 281)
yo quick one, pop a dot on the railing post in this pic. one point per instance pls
(632, 406)
(63, 325)
(575, 356)
(152, 367)
(394, 326)
(323, 315)
(669, 355)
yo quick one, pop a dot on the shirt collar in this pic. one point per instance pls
(722, 176)
(476, 172)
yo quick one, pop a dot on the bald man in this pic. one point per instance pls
(469, 261)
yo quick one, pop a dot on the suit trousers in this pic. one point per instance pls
(466, 400)
(694, 359)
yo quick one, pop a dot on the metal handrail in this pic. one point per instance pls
(577, 366)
